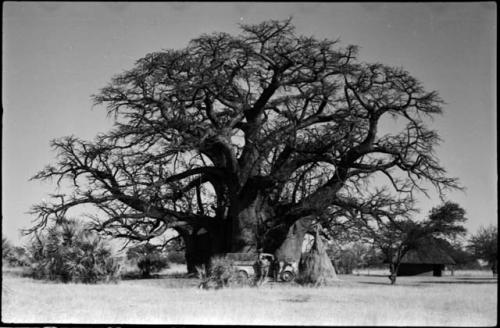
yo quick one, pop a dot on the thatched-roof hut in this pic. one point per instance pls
(431, 256)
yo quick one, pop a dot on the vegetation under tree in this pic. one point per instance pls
(148, 257)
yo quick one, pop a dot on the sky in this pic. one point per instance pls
(56, 55)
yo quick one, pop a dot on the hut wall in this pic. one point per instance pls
(412, 269)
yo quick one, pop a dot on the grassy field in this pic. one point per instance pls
(466, 299)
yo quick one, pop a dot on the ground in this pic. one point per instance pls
(466, 299)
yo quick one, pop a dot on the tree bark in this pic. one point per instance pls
(249, 215)
(194, 253)
(393, 268)
(251, 225)
(201, 244)
(251, 228)
(291, 246)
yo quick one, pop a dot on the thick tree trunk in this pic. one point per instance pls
(251, 225)
(249, 215)
(189, 250)
(290, 249)
(197, 250)
(244, 230)
(202, 243)
(256, 227)
(190, 261)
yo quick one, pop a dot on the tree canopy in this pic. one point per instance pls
(484, 246)
(237, 139)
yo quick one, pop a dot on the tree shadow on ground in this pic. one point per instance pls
(465, 282)
(138, 276)
(297, 299)
(434, 280)
(473, 278)
(135, 275)
(375, 283)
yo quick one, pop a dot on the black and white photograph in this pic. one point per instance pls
(249, 163)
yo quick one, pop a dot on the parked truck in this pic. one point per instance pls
(245, 264)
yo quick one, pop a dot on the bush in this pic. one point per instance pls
(346, 262)
(221, 273)
(6, 248)
(350, 256)
(68, 253)
(18, 257)
(176, 257)
(148, 258)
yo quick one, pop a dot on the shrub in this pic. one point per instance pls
(346, 262)
(148, 258)
(18, 257)
(176, 257)
(69, 253)
(354, 255)
(6, 248)
(221, 273)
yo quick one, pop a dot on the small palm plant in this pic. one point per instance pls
(67, 252)
(149, 259)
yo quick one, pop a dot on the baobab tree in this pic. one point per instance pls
(238, 142)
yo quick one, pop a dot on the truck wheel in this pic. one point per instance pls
(287, 276)
(241, 276)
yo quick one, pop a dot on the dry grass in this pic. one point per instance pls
(355, 300)
(457, 273)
